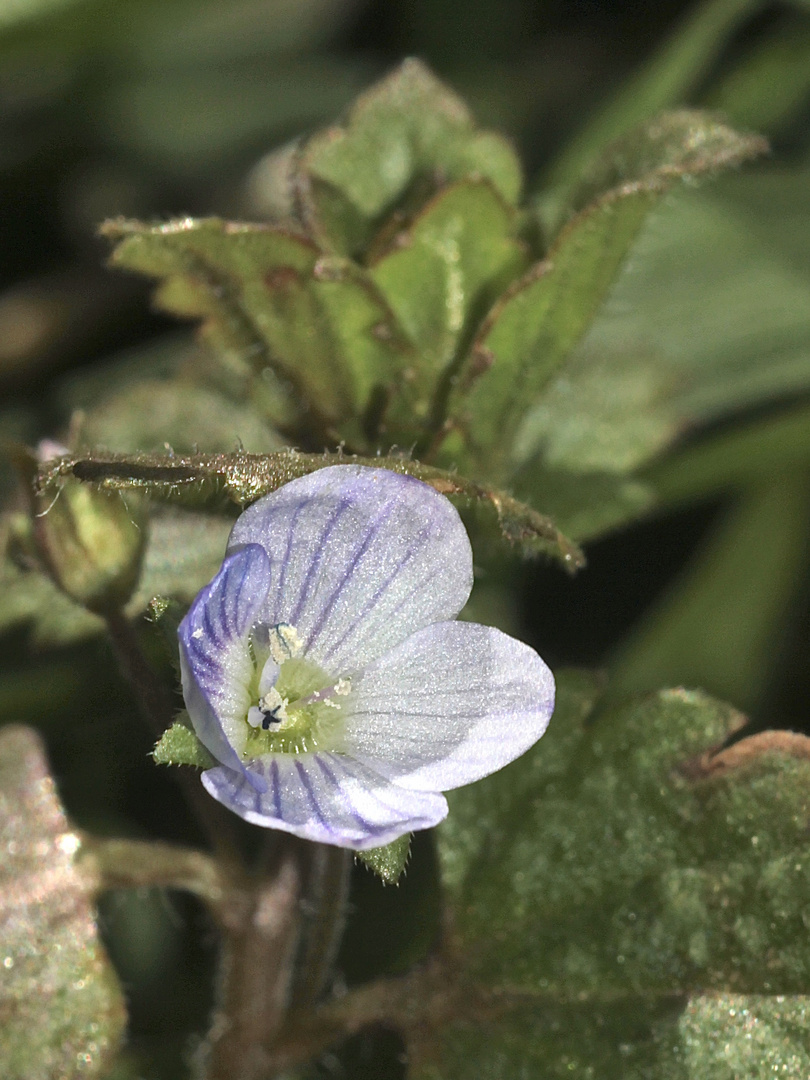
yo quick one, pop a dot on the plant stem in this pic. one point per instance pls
(128, 864)
(260, 939)
(324, 911)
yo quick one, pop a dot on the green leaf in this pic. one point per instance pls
(586, 505)
(153, 413)
(715, 302)
(732, 1036)
(720, 624)
(682, 144)
(709, 317)
(768, 87)
(552, 1041)
(406, 130)
(271, 301)
(533, 329)
(180, 746)
(184, 551)
(205, 478)
(622, 865)
(663, 82)
(61, 1010)
(388, 862)
(744, 455)
(29, 598)
(443, 272)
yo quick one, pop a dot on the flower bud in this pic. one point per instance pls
(90, 540)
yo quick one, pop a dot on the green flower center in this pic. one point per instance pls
(302, 712)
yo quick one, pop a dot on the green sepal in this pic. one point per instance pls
(179, 745)
(388, 862)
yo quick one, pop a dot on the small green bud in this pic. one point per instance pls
(90, 540)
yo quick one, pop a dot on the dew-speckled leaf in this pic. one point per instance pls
(619, 868)
(533, 329)
(741, 1037)
(407, 129)
(271, 301)
(443, 272)
(526, 1040)
(388, 862)
(621, 872)
(61, 1010)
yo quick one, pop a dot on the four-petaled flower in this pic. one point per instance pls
(324, 670)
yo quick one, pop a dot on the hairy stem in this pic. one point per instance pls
(260, 939)
(133, 864)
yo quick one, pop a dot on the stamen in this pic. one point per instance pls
(285, 642)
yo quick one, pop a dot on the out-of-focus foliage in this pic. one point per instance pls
(61, 1009)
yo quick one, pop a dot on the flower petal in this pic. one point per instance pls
(453, 703)
(215, 662)
(362, 558)
(324, 797)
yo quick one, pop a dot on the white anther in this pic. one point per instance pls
(343, 687)
(285, 642)
(274, 704)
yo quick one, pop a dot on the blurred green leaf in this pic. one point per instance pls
(16, 12)
(533, 329)
(28, 598)
(719, 626)
(184, 552)
(444, 271)
(710, 316)
(621, 863)
(663, 82)
(745, 454)
(768, 88)
(153, 413)
(61, 1010)
(586, 505)
(388, 862)
(407, 129)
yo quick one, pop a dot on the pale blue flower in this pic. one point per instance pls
(323, 668)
